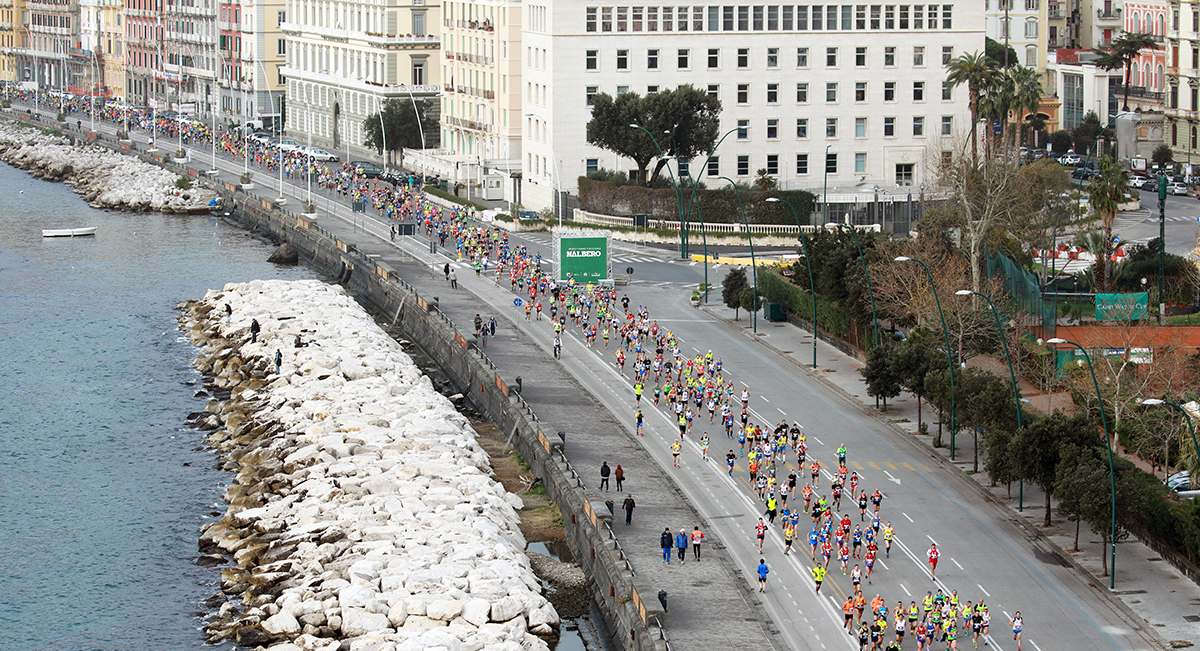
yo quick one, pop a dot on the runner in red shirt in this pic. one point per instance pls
(933, 559)
(760, 531)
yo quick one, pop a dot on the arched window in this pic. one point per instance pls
(1193, 137)
(1174, 134)
(1160, 80)
(1162, 29)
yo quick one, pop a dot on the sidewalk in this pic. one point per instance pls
(1150, 588)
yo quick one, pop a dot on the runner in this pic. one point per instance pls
(760, 532)
(848, 612)
(729, 459)
(704, 452)
(675, 449)
(640, 422)
(856, 579)
(933, 559)
(1018, 623)
(763, 570)
(887, 540)
(818, 574)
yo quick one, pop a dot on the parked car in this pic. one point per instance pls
(1178, 188)
(1181, 483)
(1137, 181)
(289, 145)
(365, 168)
(1070, 159)
(1085, 173)
(319, 154)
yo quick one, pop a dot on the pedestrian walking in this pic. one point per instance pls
(446, 271)
(453, 279)
(619, 475)
(605, 471)
(628, 506)
(492, 325)
(763, 570)
(697, 538)
(681, 545)
(254, 330)
(665, 541)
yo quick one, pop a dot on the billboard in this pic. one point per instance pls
(583, 256)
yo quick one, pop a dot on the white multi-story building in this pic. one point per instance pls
(855, 92)
(1021, 24)
(345, 58)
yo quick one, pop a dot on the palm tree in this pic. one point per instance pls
(1106, 194)
(1024, 90)
(975, 70)
(1125, 48)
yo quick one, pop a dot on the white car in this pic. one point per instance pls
(318, 154)
(1071, 159)
(1180, 482)
(289, 145)
(1178, 188)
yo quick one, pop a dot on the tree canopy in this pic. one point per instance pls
(401, 121)
(689, 114)
(731, 289)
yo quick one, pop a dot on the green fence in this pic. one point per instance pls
(1023, 288)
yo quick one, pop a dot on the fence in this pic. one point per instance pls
(1022, 287)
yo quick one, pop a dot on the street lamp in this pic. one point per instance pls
(703, 232)
(753, 261)
(863, 259)
(949, 354)
(812, 288)
(674, 186)
(695, 186)
(1011, 374)
(1112, 475)
(1186, 415)
(557, 175)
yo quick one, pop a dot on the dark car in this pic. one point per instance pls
(1084, 173)
(366, 169)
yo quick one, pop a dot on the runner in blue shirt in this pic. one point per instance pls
(762, 575)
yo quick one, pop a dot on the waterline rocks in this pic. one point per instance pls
(105, 178)
(362, 508)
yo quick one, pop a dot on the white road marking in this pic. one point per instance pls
(985, 592)
(891, 477)
(818, 440)
(956, 563)
(905, 590)
(1035, 645)
(931, 539)
(692, 264)
(764, 399)
(906, 515)
(782, 411)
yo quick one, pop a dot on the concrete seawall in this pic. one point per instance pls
(629, 606)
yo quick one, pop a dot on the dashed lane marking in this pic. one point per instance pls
(906, 465)
(956, 563)
(906, 515)
(890, 465)
(985, 592)
(874, 465)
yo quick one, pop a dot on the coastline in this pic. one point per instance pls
(105, 178)
(363, 507)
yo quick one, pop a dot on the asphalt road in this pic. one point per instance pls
(985, 552)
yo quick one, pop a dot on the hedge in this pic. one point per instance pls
(450, 197)
(774, 287)
(716, 206)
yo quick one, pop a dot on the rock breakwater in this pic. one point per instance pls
(105, 178)
(362, 509)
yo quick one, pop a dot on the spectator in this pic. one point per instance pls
(665, 541)
(605, 471)
(628, 506)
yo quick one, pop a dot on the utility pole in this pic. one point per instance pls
(1162, 242)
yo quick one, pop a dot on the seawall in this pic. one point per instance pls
(628, 605)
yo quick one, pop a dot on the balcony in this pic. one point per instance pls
(427, 40)
(465, 124)
(1054, 12)
(1138, 91)
(1110, 15)
(477, 59)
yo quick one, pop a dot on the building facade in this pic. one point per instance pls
(1148, 74)
(345, 59)
(53, 28)
(1022, 25)
(252, 49)
(1182, 110)
(14, 37)
(840, 95)
(101, 60)
(1083, 87)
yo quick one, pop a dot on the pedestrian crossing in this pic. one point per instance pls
(1145, 216)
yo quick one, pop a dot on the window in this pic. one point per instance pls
(592, 59)
(860, 163)
(593, 165)
(714, 19)
(418, 73)
(591, 19)
(772, 129)
(418, 23)
(714, 91)
(650, 90)
(860, 127)
(743, 94)
(683, 59)
(919, 56)
(743, 164)
(1031, 55)
(948, 50)
(772, 57)
(918, 126)
(801, 57)
(860, 57)
(651, 19)
(831, 127)
(714, 58)
(831, 163)
(772, 18)
(757, 24)
(772, 93)
(918, 91)
(875, 16)
(743, 60)
(727, 19)
(714, 166)
(889, 56)
(621, 90)
(831, 91)
(637, 23)
(947, 125)
(801, 164)
(831, 57)
(743, 19)
(860, 17)
(889, 127)
(773, 164)
(860, 91)
(743, 130)
(801, 92)
(591, 94)
(947, 90)
(1031, 28)
(801, 127)
(622, 59)
(606, 19)
(904, 174)
(281, 47)
(652, 59)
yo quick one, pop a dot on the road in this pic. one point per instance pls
(986, 553)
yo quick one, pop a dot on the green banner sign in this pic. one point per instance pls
(1122, 307)
(583, 258)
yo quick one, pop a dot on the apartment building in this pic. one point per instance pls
(1148, 74)
(481, 98)
(1022, 25)
(1182, 101)
(252, 48)
(345, 58)
(854, 93)
(101, 59)
(1100, 21)
(53, 31)
(13, 38)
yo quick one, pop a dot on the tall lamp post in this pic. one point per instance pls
(703, 233)
(695, 187)
(1011, 374)
(1112, 474)
(674, 186)
(863, 259)
(1186, 415)
(557, 175)
(949, 354)
(753, 260)
(812, 288)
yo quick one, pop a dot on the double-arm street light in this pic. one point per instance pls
(1112, 475)
(753, 261)
(674, 186)
(812, 288)
(949, 354)
(1186, 415)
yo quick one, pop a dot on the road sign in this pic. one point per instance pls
(517, 302)
(629, 270)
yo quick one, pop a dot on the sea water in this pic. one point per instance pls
(102, 488)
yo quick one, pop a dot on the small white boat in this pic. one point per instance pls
(69, 232)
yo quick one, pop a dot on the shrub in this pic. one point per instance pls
(183, 183)
(246, 178)
(716, 206)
